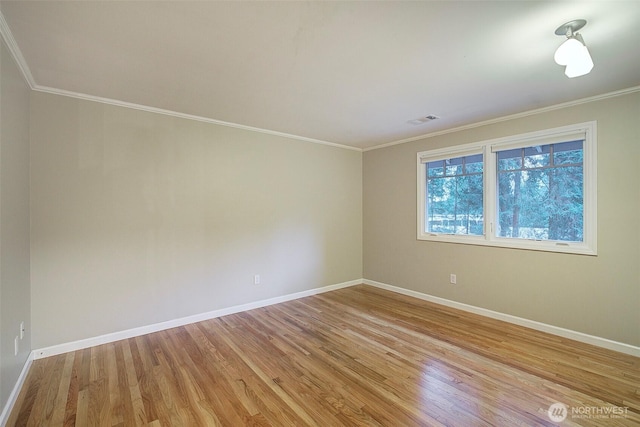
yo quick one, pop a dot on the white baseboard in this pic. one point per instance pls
(130, 333)
(543, 327)
(13, 397)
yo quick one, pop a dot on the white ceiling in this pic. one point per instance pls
(350, 73)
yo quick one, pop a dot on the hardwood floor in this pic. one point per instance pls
(355, 356)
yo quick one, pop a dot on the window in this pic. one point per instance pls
(532, 191)
(454, 195)
(540, 192)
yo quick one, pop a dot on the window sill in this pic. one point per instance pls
(530, 245)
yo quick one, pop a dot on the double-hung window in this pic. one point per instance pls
(532, 191)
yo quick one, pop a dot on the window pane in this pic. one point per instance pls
(535, 157)
(435, 168)
(454, 166)
(455, 202)
(541, 200)
(566, 208)
(522, 196)
(567, 153)
(473, 164)
(510, 159)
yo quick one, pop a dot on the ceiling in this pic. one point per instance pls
(348, 73)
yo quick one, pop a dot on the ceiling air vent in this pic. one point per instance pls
(424, 119)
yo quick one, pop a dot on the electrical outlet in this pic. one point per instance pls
(256, 279)
(453, 279)
(22, 330)
(15, 346)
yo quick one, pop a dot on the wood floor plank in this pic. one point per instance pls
(36, 378)
(82, 415)
(139, 414)
(358, 356)
(46, 395)
(59, 409)
(126, 411)
(71, 406)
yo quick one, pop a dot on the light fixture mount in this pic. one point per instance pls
(570, 28)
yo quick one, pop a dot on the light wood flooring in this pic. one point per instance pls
(355, 356)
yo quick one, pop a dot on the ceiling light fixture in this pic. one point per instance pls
(573, 53)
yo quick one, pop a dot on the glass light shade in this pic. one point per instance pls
(580, 66)
(567, 51)
(575, 55)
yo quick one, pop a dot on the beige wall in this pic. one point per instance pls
(139, 218)
(594, 295)
(14, 221)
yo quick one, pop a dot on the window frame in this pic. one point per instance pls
(489, 150)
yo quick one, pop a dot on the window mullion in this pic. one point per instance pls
(490, 182)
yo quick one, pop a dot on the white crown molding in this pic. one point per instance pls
(5, 31)
(13, 397)
(532, 324)
(26, 72)
(149, 109)
(509, 117)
